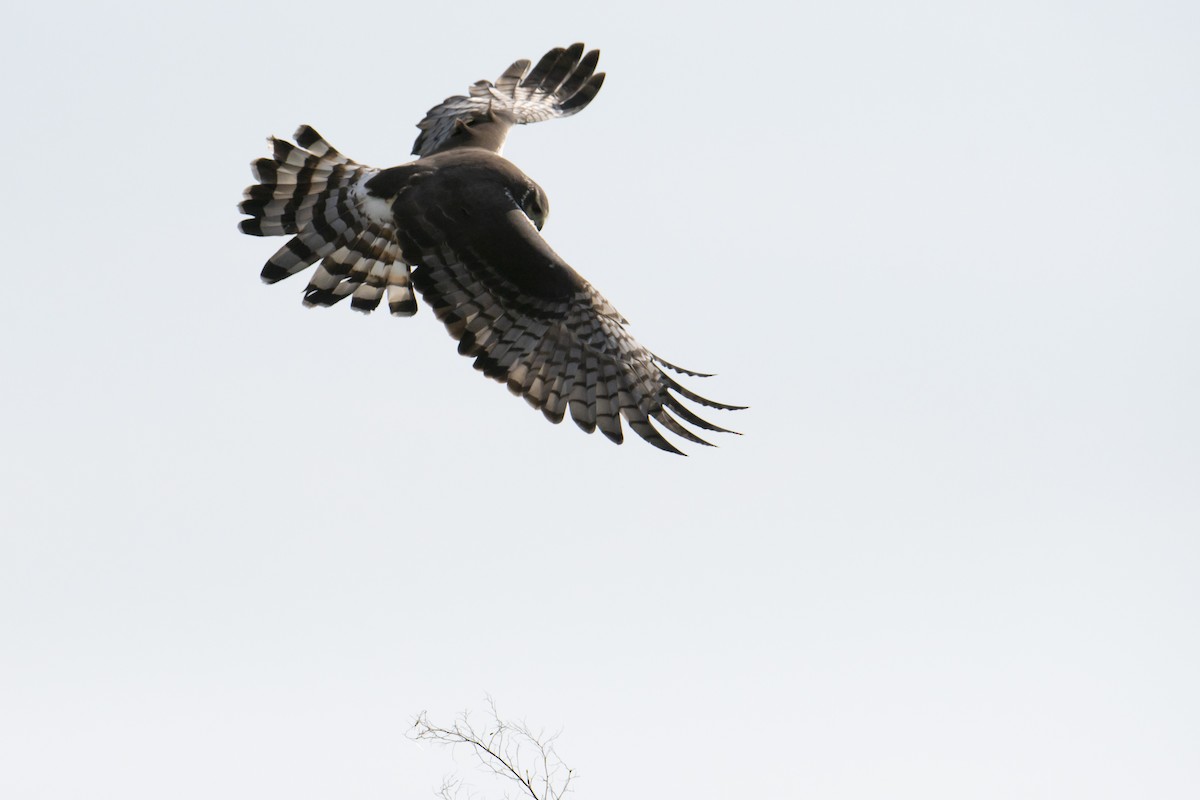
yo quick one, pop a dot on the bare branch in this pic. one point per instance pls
(509, 750)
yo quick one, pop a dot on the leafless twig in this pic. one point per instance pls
(507, 749)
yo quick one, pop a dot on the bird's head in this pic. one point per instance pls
(535, 204)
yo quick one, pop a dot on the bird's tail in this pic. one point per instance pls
(312, 191)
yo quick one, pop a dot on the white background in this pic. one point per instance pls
(946, 251)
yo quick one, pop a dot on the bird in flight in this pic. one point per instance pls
(461, 225)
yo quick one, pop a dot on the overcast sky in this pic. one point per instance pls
(946, 252)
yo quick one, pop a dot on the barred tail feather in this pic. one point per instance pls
(312, 191)
(300, 253)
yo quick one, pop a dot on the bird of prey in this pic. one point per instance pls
(461, 225)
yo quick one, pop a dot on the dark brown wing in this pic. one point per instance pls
(531, 321)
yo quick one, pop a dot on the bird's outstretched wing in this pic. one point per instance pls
(318, 194)
(562, 83)
(570, 355)
(530, 321)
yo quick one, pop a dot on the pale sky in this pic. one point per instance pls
(946, 252)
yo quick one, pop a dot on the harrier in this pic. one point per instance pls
(461, 224)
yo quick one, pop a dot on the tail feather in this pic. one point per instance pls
(300, 253)
(316, 144)
(293, 157)
(313, 192)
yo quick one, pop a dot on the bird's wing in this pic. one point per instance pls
(562, 83)
(318, 194)
(531, 322)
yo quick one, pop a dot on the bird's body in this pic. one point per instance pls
(461, 225)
